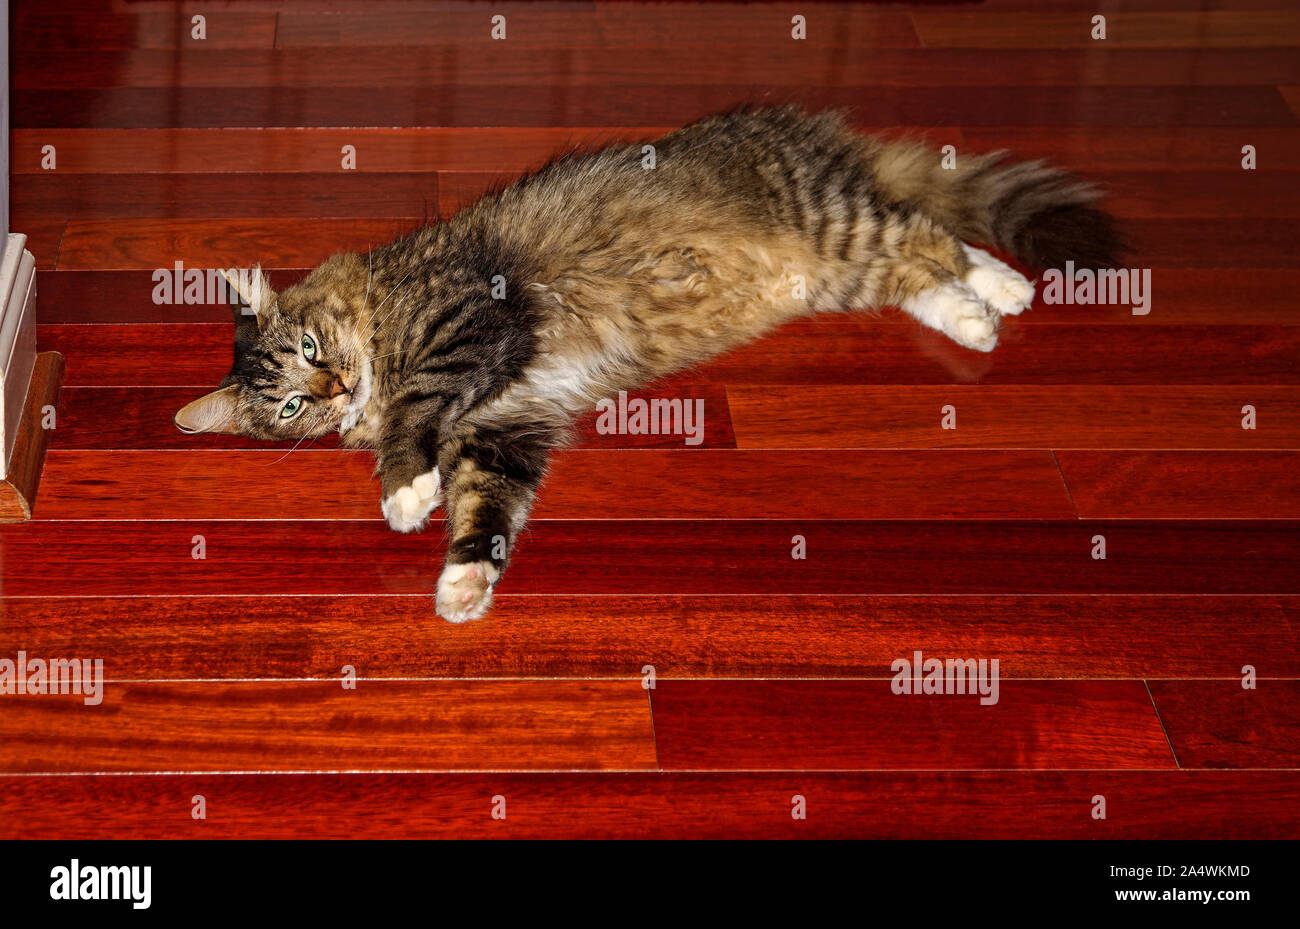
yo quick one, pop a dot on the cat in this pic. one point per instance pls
(462, 352)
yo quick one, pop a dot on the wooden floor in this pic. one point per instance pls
(1121, 678)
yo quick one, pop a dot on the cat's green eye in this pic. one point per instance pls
(308, 347)
(291, 408)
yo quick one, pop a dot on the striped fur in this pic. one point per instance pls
(462, 352)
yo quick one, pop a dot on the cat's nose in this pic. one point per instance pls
(337, 387)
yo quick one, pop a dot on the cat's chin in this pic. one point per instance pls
(356, 409)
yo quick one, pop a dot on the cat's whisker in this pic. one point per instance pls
(370, 275)
(390, 310)
(389, 355)
(290, 452)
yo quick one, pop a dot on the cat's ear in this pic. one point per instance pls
(214, 412)
(251, 298)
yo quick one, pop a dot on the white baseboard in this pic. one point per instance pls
(17, 338)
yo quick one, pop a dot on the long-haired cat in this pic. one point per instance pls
(462, 352)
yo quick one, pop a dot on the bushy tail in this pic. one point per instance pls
(1039, 214)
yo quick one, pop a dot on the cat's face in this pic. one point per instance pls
(301, 366)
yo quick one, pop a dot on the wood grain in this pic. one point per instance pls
(855, 349)
(317, 725)
(1221, 724)
(1192, 148)
(645, 104)
(547, 23)
(404, 195)
(590, 484)
(1178, 484)
(1204, 296)
(1095, 416)
(110, 244)
(96, 30)
(471, 149)
(157, 557)
(129, 418)
(270, 150)
(1051, 29)
(760, 636)
(882, 805)
(776, 62)
(859, 725)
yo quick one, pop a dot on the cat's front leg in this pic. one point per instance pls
(492, 478)
(412, 483)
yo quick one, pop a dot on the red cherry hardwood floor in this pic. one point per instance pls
(694, 633)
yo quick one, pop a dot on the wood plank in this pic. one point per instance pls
(1095, 416)
(129, 296)
(645, 104)
(582, 484)
(864, 725)
(766, 25)
(1220, 724)
(761, 636)
(852, 350)
(135, 151)
(882, 805)
(152, 243)
(407, 195)
(1191, 148)
(1051, 29)
(548, 23)
(110, 244)
(1193, 194)
(777, 61)
(142, 419)
(147, 557)
(1134, 195)
(1205, 296)
(154, 29)
(317, 725)
(44, 239)
(1182, 485)
(805, 353)
(458, 189)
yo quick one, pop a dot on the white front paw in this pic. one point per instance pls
(465, 590)
(408, 508)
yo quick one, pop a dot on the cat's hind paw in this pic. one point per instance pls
(465, 590)
(998, 284)
(407, 509)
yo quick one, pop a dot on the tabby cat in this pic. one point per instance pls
(462, 352)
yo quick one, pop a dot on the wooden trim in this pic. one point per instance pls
(18, 488)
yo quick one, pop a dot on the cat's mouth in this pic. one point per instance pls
(355, 411)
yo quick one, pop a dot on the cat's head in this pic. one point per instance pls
(301, 366)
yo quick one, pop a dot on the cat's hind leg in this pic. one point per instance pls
(938, 298)
(997, 283)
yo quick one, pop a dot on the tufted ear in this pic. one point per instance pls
(214, 412)
(251, 300)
